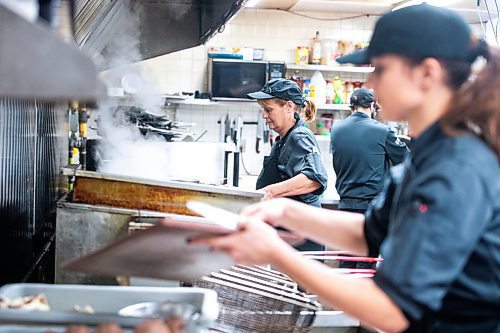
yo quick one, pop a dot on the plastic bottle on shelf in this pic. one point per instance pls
(316, 50)
(307, 88)
(339, 91)
(349, 89)
(318, 88)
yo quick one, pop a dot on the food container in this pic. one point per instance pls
(302, 55)
(106, 301)
(258, 54)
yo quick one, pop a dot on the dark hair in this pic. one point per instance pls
(476, 103)
(309, 111)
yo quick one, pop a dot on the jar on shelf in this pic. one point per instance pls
(299, 80)
(302, 55)
(330, 92)
(327, 121)
(349, 89)
(329, 52)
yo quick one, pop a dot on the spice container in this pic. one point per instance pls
(302, 55)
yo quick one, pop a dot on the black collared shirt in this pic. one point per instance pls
(363, 151)
(298, 152)
(437, 226)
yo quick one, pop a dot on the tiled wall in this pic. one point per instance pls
(277, 32)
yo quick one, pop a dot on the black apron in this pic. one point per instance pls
(270, 174)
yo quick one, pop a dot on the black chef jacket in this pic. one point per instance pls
(363, 150)
(437, 226)
(296, 153)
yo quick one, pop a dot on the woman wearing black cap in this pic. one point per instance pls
(437, 222)
(293, 169)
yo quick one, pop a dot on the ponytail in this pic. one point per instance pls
(309, 110)
(476, 104)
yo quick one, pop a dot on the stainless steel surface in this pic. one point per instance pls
(83, 228)
(158, 26)
(30, 329)
(327, 319)
(173, 184)
(257, 305)
(106, 301)
(36, 64)
(160, 310)
(33, 140)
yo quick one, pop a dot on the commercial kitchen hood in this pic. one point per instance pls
(36, 64)
(157, 26)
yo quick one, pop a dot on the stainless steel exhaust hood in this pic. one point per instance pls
(157, 26)
(36, 64)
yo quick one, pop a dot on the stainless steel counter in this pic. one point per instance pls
(332, 319)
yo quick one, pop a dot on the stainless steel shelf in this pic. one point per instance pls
(340, 107)
(325, 68)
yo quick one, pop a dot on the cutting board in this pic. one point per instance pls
(161, 251)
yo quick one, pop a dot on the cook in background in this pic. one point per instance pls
(363, 150)
(437, 221)
(293, 169)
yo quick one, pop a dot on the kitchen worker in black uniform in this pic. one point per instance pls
(437, 222)
(294, 168)
(363, 150)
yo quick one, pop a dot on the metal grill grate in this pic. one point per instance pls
(247, 309)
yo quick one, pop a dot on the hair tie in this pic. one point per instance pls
(482, 49)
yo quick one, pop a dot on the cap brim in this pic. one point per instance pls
(259, 95)
(358, 58)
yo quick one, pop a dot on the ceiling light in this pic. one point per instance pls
(251, 3)
(438, 3)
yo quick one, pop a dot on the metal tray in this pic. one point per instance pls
(32, 329)
(106, 301)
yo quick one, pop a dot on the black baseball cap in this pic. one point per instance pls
(280, 88)
(362, 97)
(419, 30)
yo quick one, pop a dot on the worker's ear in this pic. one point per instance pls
(289, 105)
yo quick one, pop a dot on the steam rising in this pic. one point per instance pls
(125, 150)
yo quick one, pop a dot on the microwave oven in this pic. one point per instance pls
(230, 79)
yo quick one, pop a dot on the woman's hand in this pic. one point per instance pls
(255, 243)
(271, 212)
(270, 192)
